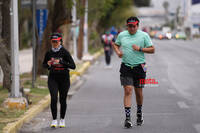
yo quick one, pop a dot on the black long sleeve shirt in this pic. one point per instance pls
(62, 68)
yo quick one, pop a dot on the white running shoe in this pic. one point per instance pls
(54, 123)
(109, 66)
(62, 123)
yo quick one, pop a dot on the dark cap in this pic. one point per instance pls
(56, 36)
(132, 20)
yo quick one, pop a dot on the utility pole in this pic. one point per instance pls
(188, 22)
(34, 43)
(86, 55)
(74, 25)
(85, 35)
(14, 49)
(15, 100)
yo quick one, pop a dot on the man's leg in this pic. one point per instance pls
(139, 101)
(128, 90)
(139, 95)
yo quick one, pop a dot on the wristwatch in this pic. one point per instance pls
(140, 49)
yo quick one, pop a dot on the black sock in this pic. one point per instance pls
(139, 108)
(128, 112)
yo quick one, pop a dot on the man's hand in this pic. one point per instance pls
(120, 54)
(135, 47)
(117, 50)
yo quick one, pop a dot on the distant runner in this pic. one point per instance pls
(107, 43)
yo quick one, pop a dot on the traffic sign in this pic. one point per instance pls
(41, 18)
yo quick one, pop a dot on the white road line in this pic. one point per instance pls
(197, 127)
(182, 105)
(171, 91)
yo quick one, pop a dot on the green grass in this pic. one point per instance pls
(4, 94)
(34, 96)
(2, 125)
(10, 113)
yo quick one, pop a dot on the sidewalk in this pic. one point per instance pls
(25, 62)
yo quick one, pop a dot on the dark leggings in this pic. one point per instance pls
(59, 84)
(107, 56)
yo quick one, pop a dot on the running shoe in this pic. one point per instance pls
(140, 119)
(54, 123)
(128, 123)
(62, 123)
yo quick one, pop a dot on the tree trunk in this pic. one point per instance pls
(80, 39)
(6, 66)
(5, 61)
(5, 10)
(81, 32)
(58, 15)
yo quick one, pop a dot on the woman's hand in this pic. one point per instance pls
(56, 61)
(49, 62)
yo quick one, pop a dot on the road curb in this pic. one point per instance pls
(34, 110)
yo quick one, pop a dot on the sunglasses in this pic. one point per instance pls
(131, 26)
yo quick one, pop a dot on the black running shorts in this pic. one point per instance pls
(132, 75)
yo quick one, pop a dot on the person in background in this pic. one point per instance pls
(107, 40)
(58, 61)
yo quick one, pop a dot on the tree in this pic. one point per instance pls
(5, 61)
(59, 14)
(166, 7)
(81, 7)
(108, 13)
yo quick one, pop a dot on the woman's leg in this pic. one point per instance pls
(63, 91)
(53, 89)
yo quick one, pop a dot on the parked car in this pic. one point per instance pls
(160, 35)
(181, 35)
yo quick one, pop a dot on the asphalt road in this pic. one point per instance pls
(171, 106)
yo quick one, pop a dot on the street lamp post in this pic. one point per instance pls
(85, 50)
(74, 24)
(87, 56)
(14, 49)
(34, 43)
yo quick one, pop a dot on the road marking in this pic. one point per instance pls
(171, 91)
(182, 105)
(197, 127)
